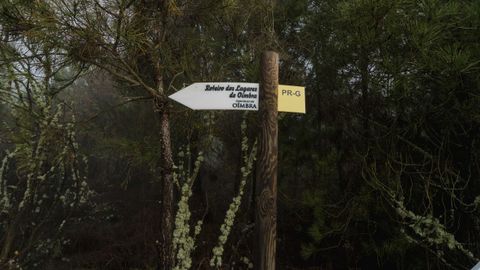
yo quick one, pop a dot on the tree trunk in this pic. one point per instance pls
(160, 27)
(166, 251)
(364, 87)
(7, 243)
(9, 237)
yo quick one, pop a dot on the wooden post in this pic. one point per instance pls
(266, 179)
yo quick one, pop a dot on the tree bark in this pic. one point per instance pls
(166, 256)
(8, 242)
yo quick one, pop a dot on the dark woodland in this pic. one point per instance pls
(99, 169)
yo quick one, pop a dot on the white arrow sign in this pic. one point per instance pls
(219, 96)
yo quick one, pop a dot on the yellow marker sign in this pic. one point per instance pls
(291, 98)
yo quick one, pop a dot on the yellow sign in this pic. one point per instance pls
(291, 98)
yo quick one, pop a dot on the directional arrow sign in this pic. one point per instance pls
(219, 96)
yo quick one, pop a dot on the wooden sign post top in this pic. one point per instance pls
(266, 179)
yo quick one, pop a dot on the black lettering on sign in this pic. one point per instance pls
(244, 89)
(286, 92)
(244, 105)
(209, 87)
(248, 95)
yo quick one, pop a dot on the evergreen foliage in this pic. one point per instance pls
(381, 173)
